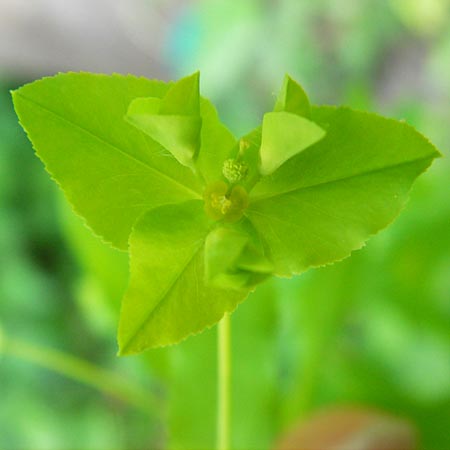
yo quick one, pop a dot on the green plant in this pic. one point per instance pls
(206, 217)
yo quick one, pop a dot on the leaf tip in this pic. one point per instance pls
(292, 98)
(124, 346)
(15, 94)
(195, 77)
(284, 135)
(122, 352)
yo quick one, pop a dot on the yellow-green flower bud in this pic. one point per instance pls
(223, 203)
(234, 171)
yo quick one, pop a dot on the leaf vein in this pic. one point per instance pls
(165, 293)
(345, 178)
(109, 144)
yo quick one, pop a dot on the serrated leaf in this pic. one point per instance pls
(173, 121)
(110, 172)
(320, 197)
(167, 299)
(284, 135)
(327, 200)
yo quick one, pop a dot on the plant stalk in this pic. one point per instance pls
(224, 383)
(105, 381)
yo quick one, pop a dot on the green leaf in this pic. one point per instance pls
(321, 196)
(284, 135)
(216, 142)
(233, 261)
(327, 200)
(179, 133)
(288, 130)
(176, 133)
(183, 97)
(293, 99)
(167, 299)
(173, 121)
(110, 172)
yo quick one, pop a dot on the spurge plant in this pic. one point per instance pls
(204, 216)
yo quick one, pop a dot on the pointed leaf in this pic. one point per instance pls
(183, 97)
(173, 121)
(330, 198)
(167, 299)
(110, 172)
(293, 99)
(178, 134)
(283, 136)
(216, 142)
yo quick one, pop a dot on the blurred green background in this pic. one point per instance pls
(372, 330)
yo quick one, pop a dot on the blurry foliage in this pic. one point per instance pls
(423, 16)
(40, 409)
(373, 329)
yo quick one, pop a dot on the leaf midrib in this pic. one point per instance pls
(260, 198)
(157, 305)
(109, 144)
(257, 212)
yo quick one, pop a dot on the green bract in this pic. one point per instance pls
(206, 217)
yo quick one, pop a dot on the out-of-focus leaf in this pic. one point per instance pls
(107, 265)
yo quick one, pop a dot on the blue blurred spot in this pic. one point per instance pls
(183, 41)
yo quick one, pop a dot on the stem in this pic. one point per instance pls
(223, 383)
(82, 371)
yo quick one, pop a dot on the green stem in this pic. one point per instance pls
(223, 383)
(82, 371)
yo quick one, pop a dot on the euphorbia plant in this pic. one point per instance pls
(204, 216)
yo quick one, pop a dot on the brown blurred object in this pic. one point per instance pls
(350, 428)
